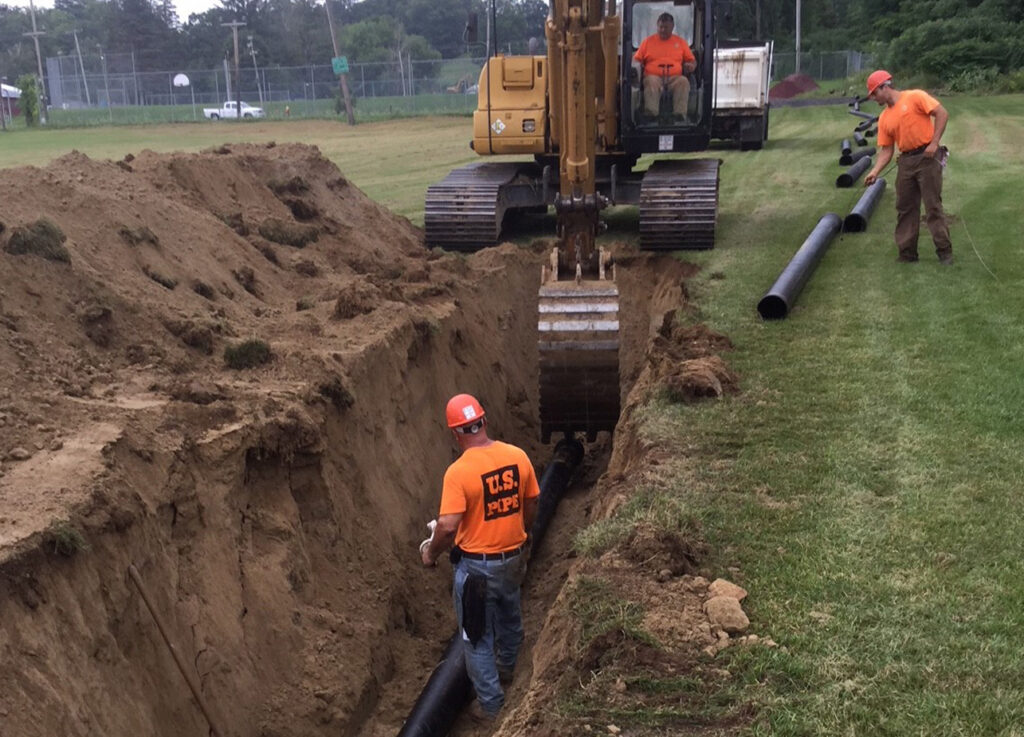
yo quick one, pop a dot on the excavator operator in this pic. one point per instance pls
(666, 60)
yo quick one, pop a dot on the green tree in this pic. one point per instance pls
(29, 101)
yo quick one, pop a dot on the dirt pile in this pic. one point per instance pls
(273, 511)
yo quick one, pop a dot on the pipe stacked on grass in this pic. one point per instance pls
(776, 304)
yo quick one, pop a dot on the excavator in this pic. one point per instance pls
(578, 110)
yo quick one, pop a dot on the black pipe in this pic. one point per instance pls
(448, 688)
(859, 138)
(844, 147)
(856, 156)
(871, 133)
(776, 304)
(864, 125)
(857, 220)
(861, 114)
(851, 175)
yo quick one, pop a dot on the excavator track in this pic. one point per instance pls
(578, 338)
(465, 209)
(679, 205)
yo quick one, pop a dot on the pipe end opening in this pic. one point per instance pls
(855, 224)
(772, 307)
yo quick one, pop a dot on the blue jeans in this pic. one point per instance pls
(503, 633)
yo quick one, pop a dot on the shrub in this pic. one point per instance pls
(66, 539)
(247, 354)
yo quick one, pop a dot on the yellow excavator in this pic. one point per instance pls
(579, 110)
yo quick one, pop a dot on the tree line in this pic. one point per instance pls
(941, 38)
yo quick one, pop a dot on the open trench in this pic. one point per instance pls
(279, 543)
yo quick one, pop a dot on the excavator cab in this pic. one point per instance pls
(672, 127)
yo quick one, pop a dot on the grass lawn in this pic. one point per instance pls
(865, 483)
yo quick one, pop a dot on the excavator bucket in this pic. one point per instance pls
(578, 338)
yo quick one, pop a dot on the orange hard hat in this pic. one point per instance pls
(876, 78)
(463, 409)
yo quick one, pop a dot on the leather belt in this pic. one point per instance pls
(493, 556)
(916, 151)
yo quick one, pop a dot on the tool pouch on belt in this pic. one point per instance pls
(474, 607)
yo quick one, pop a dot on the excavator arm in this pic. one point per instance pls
(578, 324)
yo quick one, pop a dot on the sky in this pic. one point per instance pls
(184, 7)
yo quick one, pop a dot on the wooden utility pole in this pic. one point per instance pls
(35, 34)
(343, 77)
(235, 25)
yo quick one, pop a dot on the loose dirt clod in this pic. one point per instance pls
(42, 238)
(288, 234)
(247, 354)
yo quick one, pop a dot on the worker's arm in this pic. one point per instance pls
(444, 536)
(941, 118)
(530, 513)
(689, 67)
(884, 157)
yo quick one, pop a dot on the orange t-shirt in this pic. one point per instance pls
(654, 52)
(908, 123)
(488, 486)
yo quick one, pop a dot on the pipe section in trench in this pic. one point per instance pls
(448, 688)
(776, 304)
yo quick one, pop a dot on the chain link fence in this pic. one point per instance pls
(112, 80)
(821, 65)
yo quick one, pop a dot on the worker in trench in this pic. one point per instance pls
(489, 502)
(914, 121)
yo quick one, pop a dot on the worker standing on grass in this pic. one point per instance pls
(914, 121)
(488, 504)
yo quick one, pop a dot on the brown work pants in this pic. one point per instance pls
(918, 178)
(680, 87)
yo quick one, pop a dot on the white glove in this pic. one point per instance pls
(432, 525)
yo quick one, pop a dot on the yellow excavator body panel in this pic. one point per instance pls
(514, 120)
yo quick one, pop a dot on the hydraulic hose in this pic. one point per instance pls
(448, 688)
(776, 304)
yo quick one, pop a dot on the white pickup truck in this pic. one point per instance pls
(230, 110)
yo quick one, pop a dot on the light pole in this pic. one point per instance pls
(106, 83)
(3, 96)
(255, 69)
(235, 25)
(797, 36)
(35, 34)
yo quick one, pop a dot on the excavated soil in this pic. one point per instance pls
(228, 369)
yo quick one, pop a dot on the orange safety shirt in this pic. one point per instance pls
(488, 486)
(654, 52)
(908, 123)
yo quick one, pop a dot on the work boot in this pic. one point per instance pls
(946, 259)
(480, 715)
(907, 258)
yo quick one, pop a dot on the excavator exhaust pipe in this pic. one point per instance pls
(448, 688)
